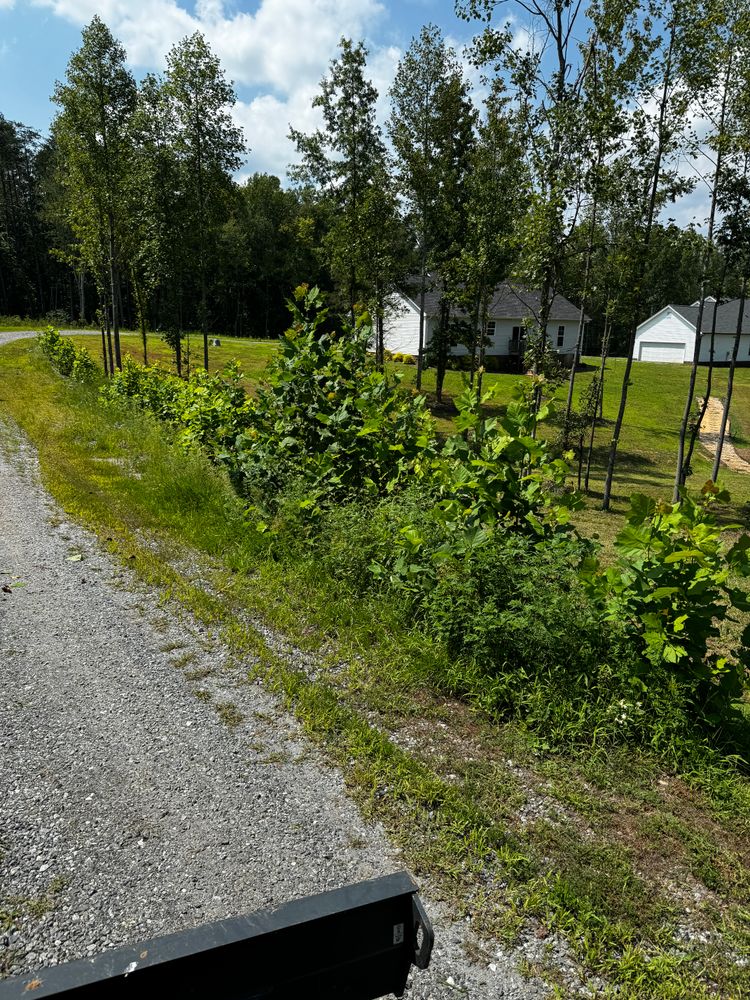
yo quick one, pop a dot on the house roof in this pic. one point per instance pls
(727, 314)
(508, 302)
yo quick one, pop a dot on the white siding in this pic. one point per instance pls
(401, 332)
(665, 336)
(499, 344)
(723, 346)
(401, 328)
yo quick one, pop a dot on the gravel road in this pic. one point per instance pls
(129, 807)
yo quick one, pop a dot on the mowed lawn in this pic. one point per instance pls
(648, 444)
(253, 355)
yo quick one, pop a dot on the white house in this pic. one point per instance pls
(669, 335)
(510, 310)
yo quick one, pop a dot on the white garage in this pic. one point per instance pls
(669, 335)
(669, 353)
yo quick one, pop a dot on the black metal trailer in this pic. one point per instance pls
(356, 943)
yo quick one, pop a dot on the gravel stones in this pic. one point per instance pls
(129, 808)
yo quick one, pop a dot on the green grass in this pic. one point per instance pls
(20, 323)
(253, 355)
(648, 445)
(597, 845)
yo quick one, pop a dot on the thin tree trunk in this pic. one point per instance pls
(696, 427)
(143, 332)
(482, 345)
(113, 289)
(681, 469)
(81, 296)
(581, 323)
(730, 382)
(109, 337)
(422, 293)
(600, 397)
(641, 274)
(141, 314)
(603, 372)
(379, 327)
(442, 351)
(104, 353)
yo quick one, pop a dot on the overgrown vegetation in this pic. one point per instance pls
(471, 539)
(65, 357)
(532, 827)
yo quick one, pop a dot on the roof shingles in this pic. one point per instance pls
(508, 302)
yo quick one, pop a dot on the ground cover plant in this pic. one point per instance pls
(610, 823)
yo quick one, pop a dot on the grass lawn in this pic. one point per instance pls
(648, 443)
(632, 866)
(17, 323)
(253, 355)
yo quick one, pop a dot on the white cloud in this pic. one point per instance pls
(266, 121)
(285, 43)
(279, 53)
(7, 4)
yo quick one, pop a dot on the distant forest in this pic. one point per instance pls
(561, 177)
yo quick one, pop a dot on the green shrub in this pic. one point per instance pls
(526, 640)
(208, 411)
(328, 416)
(468, 542)
(494, 475)
(672, 589)
(69, 360)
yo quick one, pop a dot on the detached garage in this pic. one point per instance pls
(669, 335)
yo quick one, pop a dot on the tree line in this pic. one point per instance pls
(558, 176)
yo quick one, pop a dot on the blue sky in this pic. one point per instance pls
(276, 51)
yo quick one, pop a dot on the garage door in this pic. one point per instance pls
(672, 353)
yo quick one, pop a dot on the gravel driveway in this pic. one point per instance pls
(129, 807)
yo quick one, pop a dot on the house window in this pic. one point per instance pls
(560, 336)
(489, 330)
(516, 334)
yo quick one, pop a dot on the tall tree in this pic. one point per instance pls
(431, 127)
(385, 253)
(659, 135)
(92, 132)
(496, 198)
(548, 78)
(612, 65)
(209, 146)
(341, 161)
(724, 104)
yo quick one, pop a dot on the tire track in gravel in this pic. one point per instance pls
(128, 809)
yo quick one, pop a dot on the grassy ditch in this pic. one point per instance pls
(632, 865)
